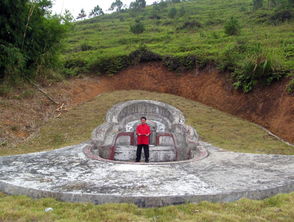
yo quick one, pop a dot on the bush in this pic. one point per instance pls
(143, 55)
(110, 65)
(137, 28)
(86, 47)
(259, 68)
(183, 63)
(290, 87)
(190, 25)
(281, 16)
(232, 27)
(172, 13)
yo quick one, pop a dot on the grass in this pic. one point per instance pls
(110, 34)
(214, 126)
(95, 44)
(21, 209)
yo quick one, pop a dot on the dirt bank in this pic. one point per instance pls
(270, 107)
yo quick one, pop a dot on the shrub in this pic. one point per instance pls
(258, 68)
(143, 55)
(182, 11)
(281, 16)
(180, 63)
(110, 65)
(290, 86)
(232, 27)
(190, 25)
(172, 13)
(86, 47)
(137, 28)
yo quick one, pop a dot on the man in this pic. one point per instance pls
(143, 132)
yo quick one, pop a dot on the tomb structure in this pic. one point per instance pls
(103, 170)
(170, 140)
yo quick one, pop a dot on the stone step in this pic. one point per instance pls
(156, 153)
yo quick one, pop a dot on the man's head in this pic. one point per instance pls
(143, 119)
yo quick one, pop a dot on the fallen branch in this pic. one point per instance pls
(42, 91)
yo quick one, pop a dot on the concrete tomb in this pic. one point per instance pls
(182, 169)
(171, 139)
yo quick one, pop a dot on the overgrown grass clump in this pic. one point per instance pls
(256, 46)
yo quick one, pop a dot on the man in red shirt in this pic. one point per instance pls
(143, 133)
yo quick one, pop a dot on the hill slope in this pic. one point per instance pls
(194, 37)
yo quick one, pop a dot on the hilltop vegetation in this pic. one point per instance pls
(252, 42)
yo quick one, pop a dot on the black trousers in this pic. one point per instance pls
(139, 151)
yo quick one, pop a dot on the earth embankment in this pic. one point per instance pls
(268, 106)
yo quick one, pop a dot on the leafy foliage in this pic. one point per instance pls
(116, 5)
(82, 14)
(96, 11)
(138, 4)
(232, 27)
(30, 38)
(137, 28)
(172, 13)
(257, 4)
(290, 86)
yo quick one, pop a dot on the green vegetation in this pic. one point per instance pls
(290, 87)
(213, 126)
(30, 39)
(232, 27)
(205, 30)
(19, 208)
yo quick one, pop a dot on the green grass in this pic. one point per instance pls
(214, 126)
(110, 34)
(21, 209)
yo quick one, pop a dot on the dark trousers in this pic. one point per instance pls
(139, 151)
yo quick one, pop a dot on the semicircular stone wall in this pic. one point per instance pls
(171, 138)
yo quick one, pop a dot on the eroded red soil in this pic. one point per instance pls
(270, 107)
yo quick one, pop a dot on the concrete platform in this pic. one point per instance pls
(68, 174)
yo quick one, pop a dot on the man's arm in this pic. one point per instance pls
(148, 131)
(138, 131)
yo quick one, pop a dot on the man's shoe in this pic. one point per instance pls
(137, 160)
(146, 161)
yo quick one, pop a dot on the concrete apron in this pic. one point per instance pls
(68, 174)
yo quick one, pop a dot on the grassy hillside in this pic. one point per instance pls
(194, 37)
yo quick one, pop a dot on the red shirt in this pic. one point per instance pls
(144, 130)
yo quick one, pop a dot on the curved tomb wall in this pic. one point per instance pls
(116, 136)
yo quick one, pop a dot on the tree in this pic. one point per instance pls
(116, 5)
(137, 28)
(67, 16)
(232, 27)
(30, 37)
(257, 4)
(82, 14)
(172, 13)
(96, 11)
(138, 4)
